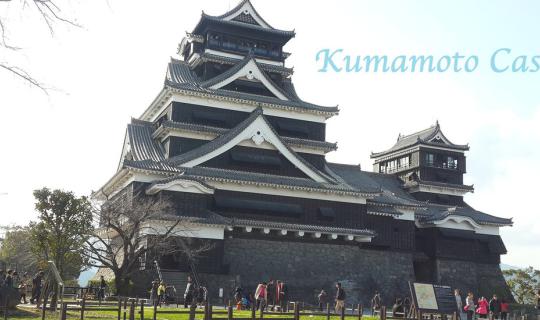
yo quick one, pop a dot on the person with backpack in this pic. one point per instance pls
(340, 298)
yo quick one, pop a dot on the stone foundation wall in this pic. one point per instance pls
(481, 279)
(309, 267)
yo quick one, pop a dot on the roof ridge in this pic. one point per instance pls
(401, 137)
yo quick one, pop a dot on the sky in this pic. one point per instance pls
(111, 67)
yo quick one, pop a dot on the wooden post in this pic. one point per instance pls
(83, 305)
(253, 310)
(155, 311)
(210, 308)
(125, 308)
(142, 309)
(296, 311)
(360, 311)
(119, 308)
(328, 311)
(342, 315)
(63, 314)
(132, 310)
(383, 313)
(43, 307)
(229, 311)
(6, 307)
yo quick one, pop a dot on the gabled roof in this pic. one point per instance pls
(179, 76)
(248, 69)
(393, 193)
(199, 128)
(432, 136)
(435, 213)
(244, 15)
(244, 7)
(205, 56)
(257, 128)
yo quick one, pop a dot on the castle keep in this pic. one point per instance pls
(242, 156)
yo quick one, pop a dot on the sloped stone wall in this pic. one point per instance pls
(309, 267)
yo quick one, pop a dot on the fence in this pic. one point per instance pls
(134, 309)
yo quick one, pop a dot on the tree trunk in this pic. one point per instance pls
(122, 285)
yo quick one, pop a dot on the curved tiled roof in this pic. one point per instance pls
(438, 213)
(219, 131)
(393, 193)
(230, 72)
(227, 60)
(142, 145)
(205, 17)
(231, 134)
(301, 227)
(180, 76)
(271, 179)
(421, 137)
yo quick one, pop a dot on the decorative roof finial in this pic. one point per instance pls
(437, 123)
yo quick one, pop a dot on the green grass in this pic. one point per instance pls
(34, 314)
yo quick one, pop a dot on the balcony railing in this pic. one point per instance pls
(398, 168)
(444, 165)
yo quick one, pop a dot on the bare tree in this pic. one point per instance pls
(129, 229)
(50, 13)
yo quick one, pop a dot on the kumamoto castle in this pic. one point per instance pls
(242, 156)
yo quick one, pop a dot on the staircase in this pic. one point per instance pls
(176, 279)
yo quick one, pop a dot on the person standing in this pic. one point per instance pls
(36, 287)
(494, 307)
(505, 309)
(101, 289)
(271, 294)
(8, 282)
(261, 295)
(154, 293)
(340, 298)
(469, 306)
(188, 294)
(323, 300)
(459, 303)
(281, 295)
(161, 293)
(23, 285)
(483, 308)
(375, 303)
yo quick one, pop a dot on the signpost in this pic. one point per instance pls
(432, 298)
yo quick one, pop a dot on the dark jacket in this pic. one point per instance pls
(340, 294)
(495, 306)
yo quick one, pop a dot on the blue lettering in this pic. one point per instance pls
(474, 59)
(520, 64)
(536, 61)
(328, 60)
(401, 67)
(494, 57)
(443, 59)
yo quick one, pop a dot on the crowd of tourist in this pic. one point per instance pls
(23, 283)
